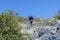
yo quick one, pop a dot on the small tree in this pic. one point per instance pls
(9, 28)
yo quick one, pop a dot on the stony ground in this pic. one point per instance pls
(41, 31)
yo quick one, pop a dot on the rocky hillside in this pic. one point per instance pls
(41, 26)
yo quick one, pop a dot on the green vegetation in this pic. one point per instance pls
(57, 15)
(9, 28)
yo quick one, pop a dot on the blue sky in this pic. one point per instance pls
(36, 8)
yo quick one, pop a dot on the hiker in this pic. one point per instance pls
(30, 19)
